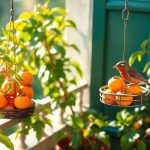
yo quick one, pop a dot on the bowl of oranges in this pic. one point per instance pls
(118, 93)
(16, 97)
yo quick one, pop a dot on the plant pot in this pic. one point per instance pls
(64, 144)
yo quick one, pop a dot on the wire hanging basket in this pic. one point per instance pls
(17, 113)
(122, 100)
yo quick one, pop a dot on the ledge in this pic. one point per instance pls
(142, 6)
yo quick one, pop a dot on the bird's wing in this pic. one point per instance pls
(135, 74)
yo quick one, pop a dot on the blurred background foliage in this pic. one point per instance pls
(21, 6)
(24, 5)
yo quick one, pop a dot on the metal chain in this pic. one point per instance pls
(11, 10)
(12, 27)
(125, 17)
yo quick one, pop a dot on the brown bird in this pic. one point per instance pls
(129, 74)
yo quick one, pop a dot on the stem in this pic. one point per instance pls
(65, 96)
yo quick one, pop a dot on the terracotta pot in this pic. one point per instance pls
(64, 144)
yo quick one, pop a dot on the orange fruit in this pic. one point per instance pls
(27, 90)
(22, 102)
(1, 90)
(134, 89)
(9, 107)
(148, 131)
(136, 125)
(147, 120)
(123, 100)
(3, 100)
(13, 87)
(116, 84)
(27, 78)
(109, 99)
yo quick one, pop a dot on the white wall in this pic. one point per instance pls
(80, 12)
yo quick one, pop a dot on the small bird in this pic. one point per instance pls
(129, 74)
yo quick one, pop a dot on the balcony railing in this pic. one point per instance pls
(47, 141)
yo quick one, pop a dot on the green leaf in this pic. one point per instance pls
(91, 118)
(38, 128)
(99, 123)
(147, 66)
(5, 58)
(77, 67)
(139, 58)
(148, 72)
(2, 78)
(74, 81)
(76, 140)
(46, 3)
(25, 15)
(86, 132)
(59, 49)
(6, 141)
(48, 121)
(76, 122)
(70, 23)
(8, 89)
(141, 145)
(144, 44)
(125, 144)
(17, 76)
(44, 109)
(75, 47)
(121, 116)
(70, 101)
(132, 59)
(137, 55)
(56, 31)
(58, 10)
(46, 91)
(27, 121)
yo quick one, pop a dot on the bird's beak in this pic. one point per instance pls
(114, 67)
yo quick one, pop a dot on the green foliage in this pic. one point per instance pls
(88, 130)
(36, 122)
(138, 55)
(6, 141)
(130, 137)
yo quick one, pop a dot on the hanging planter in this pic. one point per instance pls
(17, 113)
(118, 93)
(15, 92)
(16, 96)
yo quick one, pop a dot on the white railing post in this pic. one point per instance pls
(42, 114)
(21, 138)
(81, 101)
(61, 120)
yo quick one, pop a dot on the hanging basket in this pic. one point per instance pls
(17, 113)
(122, 100)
